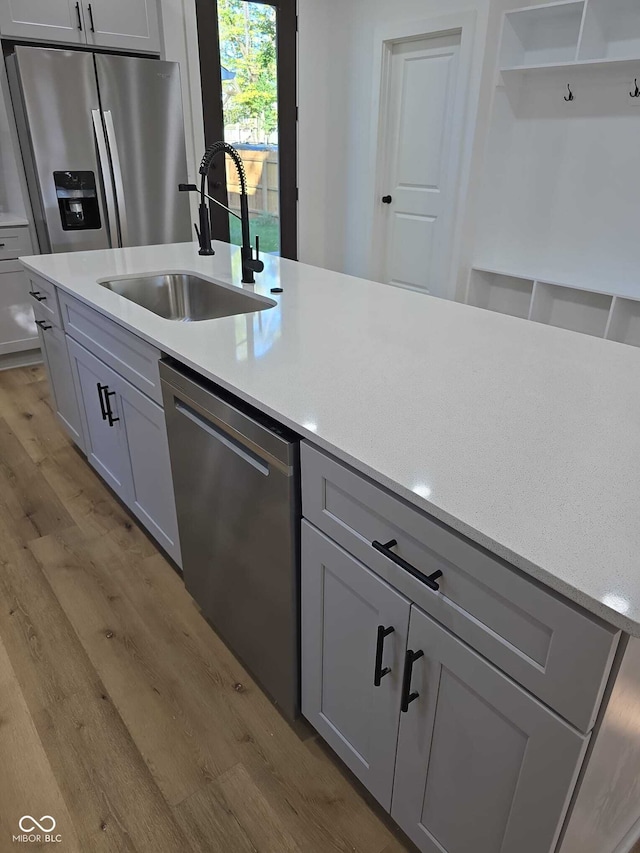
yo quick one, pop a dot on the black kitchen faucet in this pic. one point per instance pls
(250, 265)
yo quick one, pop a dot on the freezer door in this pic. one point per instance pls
(142, 106)
(55, 95)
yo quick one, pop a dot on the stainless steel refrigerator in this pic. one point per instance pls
(102, 139)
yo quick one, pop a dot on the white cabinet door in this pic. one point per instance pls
(18, 331)
(123, 24)
(106, 438)
(152, 498)
(354, 627)
(43, 20)
(482, 766)
(126, 442)
(56, 359)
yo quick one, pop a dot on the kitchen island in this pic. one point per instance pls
(519, 441)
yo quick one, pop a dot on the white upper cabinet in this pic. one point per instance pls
(43, 20)
(123, 24)
(120, 24)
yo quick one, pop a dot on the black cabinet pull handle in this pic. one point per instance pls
(36, 295)
(407, 696)
(108, 394)
(387, 199)
(379, 672)
(103, 407)
(79, 16)
(43, 325)
(2, 245)
(92, 25)
(429, 580)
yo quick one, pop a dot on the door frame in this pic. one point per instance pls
(211, 86)
(386, 37)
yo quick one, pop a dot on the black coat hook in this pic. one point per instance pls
(635, 94)
(570, 98)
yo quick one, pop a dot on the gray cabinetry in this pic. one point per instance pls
(43, 20)
(126, 442)
(106, 444)
(17, 329)
(58, 367)
(343, 607)
(119, 24)
(124, 24)
(482, 766)
(525, 629)
(475, 739)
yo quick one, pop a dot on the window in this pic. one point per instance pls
(247, 65)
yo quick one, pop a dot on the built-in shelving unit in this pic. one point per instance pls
(570, 32)
(558, 236)
(537, 35)
(601, 314)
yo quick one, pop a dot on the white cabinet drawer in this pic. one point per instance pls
(558, 651)
(14, 242)
(125, 352)
(43, 295)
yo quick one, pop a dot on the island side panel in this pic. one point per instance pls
(606, 814)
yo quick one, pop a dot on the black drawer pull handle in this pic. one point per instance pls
(407, 696)
(37, 296)
(429, 580)
(2, 245)
(43, 325)
(108, 394)
(103, 407)
(379, 672)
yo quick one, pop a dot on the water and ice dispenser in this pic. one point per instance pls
(77, 200)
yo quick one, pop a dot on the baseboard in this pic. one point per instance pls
(20, 359)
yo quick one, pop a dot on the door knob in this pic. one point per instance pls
(386, 199)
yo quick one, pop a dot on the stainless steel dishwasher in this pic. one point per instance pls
(236, 480)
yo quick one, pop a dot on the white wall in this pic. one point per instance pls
(336, 96)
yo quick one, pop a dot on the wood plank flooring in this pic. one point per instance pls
(122, 714)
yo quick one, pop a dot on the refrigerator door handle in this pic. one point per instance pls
(117, 177)
(105, 171)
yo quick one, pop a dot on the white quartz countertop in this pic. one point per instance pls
(523, 437)
(11, 220)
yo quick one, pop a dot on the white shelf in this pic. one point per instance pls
(624, 325)
(502, 293)
(629, 292)
(611, 30)
(544, 34)
(570, 35)
(575, 65)
(569, 308)
(590, 312)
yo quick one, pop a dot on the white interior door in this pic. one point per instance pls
(422, 134)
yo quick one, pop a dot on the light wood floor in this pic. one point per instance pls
(122, 714)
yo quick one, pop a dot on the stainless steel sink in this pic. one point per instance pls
(187, 298)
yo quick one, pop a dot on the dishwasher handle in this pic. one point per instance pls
(223, 437)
